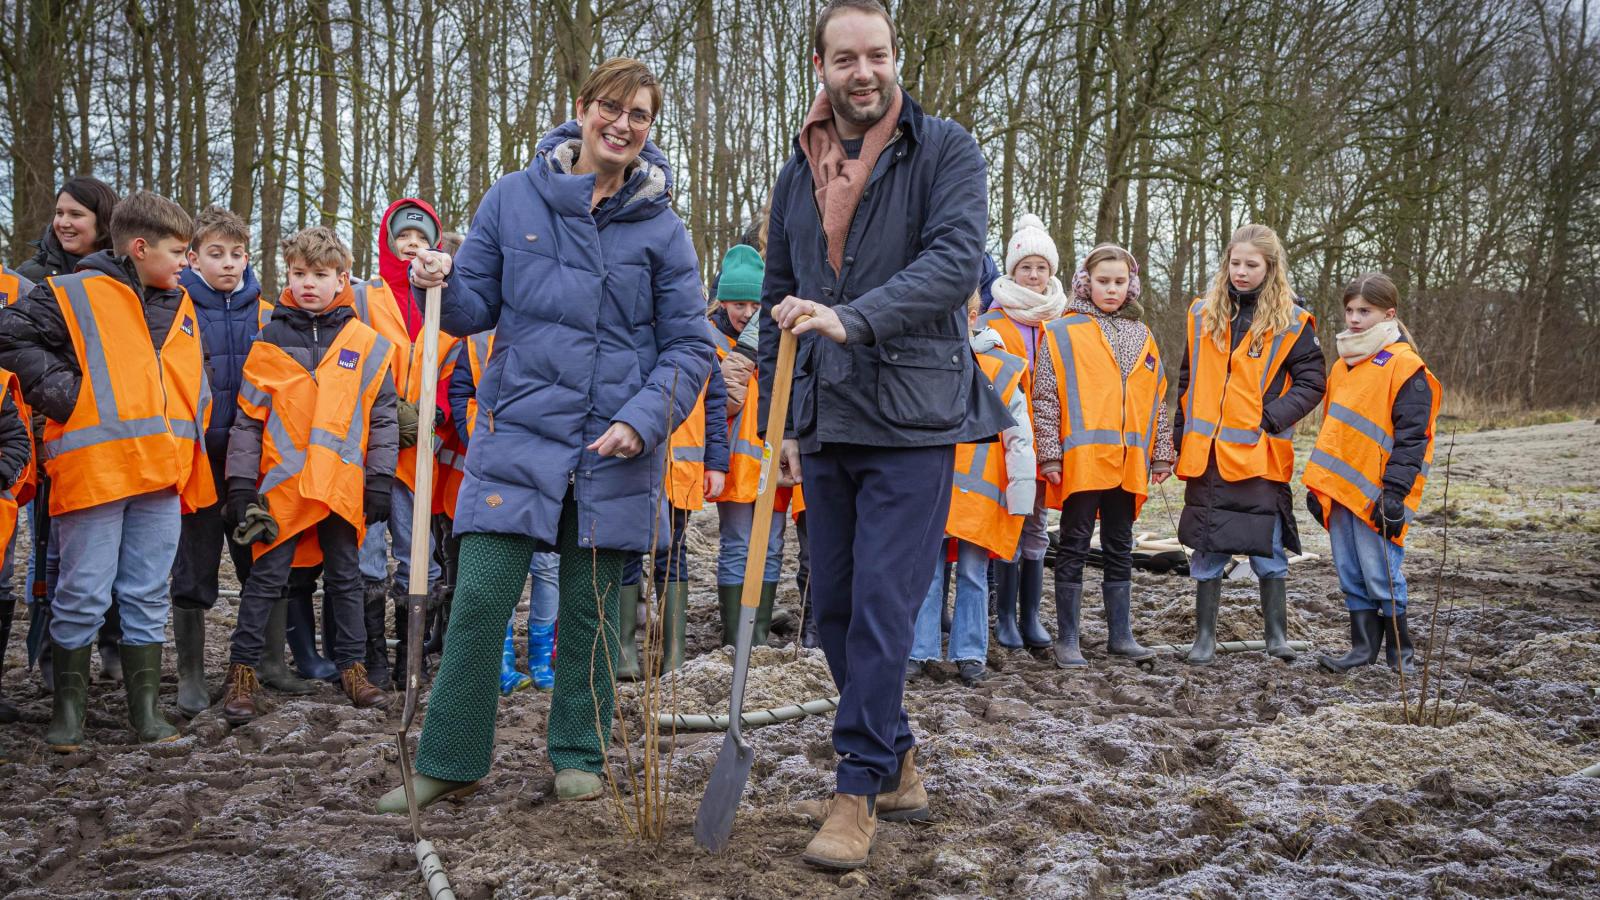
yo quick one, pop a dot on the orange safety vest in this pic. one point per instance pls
(978, 513)
(1223, 403)
(263, 313)
(1011, 337)
(20, 491)
(1107, 437)
(1357, 437)
(12, 286)
(452, 455)
(375, 305)
(139, 417)
(314, 430)
(744, 444)
(687, 462)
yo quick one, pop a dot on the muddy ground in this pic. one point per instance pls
(1247, 778)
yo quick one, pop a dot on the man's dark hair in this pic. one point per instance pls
(871, 7)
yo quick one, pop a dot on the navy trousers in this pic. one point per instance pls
(875, 518)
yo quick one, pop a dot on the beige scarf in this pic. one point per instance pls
(1026, 305)
(1355, 346)
(839, 180)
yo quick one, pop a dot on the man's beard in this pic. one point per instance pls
(839, 99)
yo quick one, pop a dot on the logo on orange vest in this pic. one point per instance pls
(1382, 357)
(188, 326)
(348, 359)
(1150, 361)
(493, 500)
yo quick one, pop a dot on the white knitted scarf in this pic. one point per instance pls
(1355, 346)
(1026, 305)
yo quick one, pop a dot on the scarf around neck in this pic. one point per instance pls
(1356, 346)
(840, 181)
(1026, 305)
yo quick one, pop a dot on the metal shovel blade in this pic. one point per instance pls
(713, 823)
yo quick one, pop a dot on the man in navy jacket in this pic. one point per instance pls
(877, 233)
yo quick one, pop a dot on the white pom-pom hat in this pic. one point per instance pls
(1030, 238)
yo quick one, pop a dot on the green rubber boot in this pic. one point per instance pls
(627, 630)
(429, 790)
(189, 636)
(673, 628)
(578, 785)
(70, 697)
(728, 599)
(274, 670)
(141, 676)
(769, 594)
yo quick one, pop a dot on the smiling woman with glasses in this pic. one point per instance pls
(588, 280)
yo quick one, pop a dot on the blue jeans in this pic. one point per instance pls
(546, 596)
(1367, 580)
(736, 520)
(122, 550)
(1204, 565)
(969, 624)
(375, 556)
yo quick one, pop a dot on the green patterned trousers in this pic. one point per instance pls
(458, 731)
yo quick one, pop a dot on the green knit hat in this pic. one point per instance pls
(742, 271)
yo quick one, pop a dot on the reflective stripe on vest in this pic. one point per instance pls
(972, 480)
(350, 448)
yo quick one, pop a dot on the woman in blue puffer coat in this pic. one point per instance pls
(593, 289)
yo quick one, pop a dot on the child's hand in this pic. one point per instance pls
(429, 268)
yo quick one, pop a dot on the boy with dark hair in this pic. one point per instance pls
(310, 461)
(122, 447)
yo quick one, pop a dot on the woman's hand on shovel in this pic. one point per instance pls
(429, 269)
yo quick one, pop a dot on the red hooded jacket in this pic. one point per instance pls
(394, 272)
(393, 269)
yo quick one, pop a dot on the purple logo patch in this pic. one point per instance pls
(348, 359)
(1382, 357)
(1150, 361)
(188, 326)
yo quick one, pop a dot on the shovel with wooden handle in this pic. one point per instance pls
(417, 591)
(714, 821)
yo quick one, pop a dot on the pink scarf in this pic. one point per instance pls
(841, 181)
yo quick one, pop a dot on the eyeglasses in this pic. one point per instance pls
(638, 118)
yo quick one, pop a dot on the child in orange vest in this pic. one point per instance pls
(111, 356)
(1251, 370)
(1366, 473)
(992, 494)
(310, 460)
(1103, 437)
(13, 287)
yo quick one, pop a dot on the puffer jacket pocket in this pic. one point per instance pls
(923, 380)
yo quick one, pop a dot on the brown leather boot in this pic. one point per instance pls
(239, 702)
(363, 694)
(909, 802)
(845, 838)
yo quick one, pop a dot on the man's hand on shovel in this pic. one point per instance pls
(792, 315)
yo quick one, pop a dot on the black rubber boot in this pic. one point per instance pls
(1030, 591)
(374, 609)
(676, 613)
(1407, 652)
(8, 710)
(1069, 605)
(1005, 606)
(397, 592)
(141, 666)
(1119, 622)
(274, 669)
(300, 628)
(110, 637)
(627, 632)
(1207, 597)
(1366, 636)
(70, 697)
(189, 637)
(728, 600)
(763, 629)
(808, 627)
(1275, 610)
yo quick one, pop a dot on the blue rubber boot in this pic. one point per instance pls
(301, 631)
(541, 643)
(511, 680)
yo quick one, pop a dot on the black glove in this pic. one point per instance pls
(376, 501)
(1314, 506)
(1389, 515)
(239, 497)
